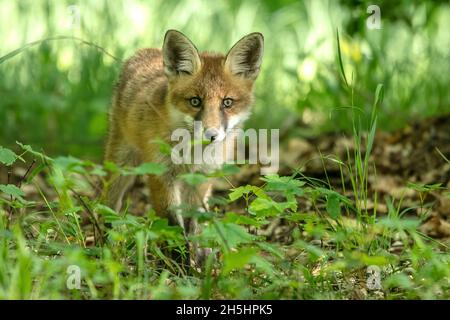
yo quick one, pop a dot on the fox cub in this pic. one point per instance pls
(160, 91)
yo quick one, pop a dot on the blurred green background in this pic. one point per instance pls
(55, 95)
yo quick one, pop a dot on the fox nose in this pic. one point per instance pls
(211, 134)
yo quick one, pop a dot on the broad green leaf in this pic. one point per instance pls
(287, 184)
(111, 167)
(193, 178)
(228, 234)
(98, 171)
(267, 207)
(243, 219)
(148, 168)
(162, 228)
(239, 259)
(239, 192)
(7, 157)
(333, 206)
(227, 170)
(12, 190)
(398, 280)
(164, 147)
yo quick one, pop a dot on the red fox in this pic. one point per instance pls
(160, 91)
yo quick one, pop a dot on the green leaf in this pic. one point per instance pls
(243, 219)
(260, 204)
(164, 147)
(226, 170)
(266, 207)
(111, 167)
(148, 168)
(162, 228)
(239, 259)
(72, 164)
(7, 157)
(374, 260)
(379, 95)
(398, 280)
(12, 190)
(288, 185)
(237, 193)
(193, 178)
(333, 208)
(98, 171)
(341, 65)
(297, 217)
(29, 149)
(228, 234)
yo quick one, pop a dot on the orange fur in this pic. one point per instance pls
(151, 100)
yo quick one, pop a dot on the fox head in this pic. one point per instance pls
(215, 89)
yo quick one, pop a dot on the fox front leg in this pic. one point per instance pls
(171, 199)
(199, 254)
(196, 198)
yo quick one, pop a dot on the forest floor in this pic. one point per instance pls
(409, 170)
(403, 162)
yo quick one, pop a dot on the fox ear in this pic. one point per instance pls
(179, 54)
(245, 57)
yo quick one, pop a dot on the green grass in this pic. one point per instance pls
(327, 256)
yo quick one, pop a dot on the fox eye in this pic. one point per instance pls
(227, 102)
(195, 102)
